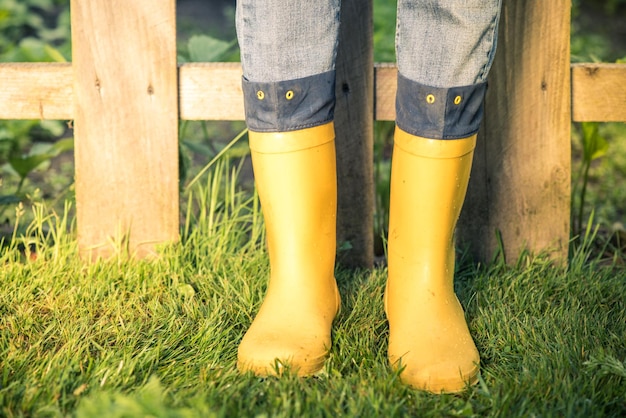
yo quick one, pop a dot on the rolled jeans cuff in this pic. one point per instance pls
(439, 113)
(289, 105)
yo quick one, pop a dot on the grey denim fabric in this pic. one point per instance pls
(439, 113)
(287, 39)
(446, 43)
(440, 44)
(279, 106)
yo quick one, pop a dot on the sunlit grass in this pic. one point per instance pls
(159, 338)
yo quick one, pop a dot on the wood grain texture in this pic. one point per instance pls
(599, 92)
(36, 91)
(212, 91)
(354, 118)
(520, 184)
(126, 123)
(386, 81)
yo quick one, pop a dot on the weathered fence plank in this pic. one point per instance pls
(599, 92)
(126, 123)
(212, 91)
(520, 183)
(354, 118)
(36, 91)
(386, 86)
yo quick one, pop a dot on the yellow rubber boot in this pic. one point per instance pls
(295, 174)
(429, 340)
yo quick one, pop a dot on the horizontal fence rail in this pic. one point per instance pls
(212, 91)
(125, 94)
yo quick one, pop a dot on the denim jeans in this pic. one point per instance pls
(444, 50)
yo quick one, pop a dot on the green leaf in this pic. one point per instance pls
(33, 50)
(9, 199)
(24, 165)
(54, 54)
(594, 145)
(54, 127)
(199, 148)
(204, 48)
(62, 145)
(600, 149)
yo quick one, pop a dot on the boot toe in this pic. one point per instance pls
(273, 355)
(440, 378)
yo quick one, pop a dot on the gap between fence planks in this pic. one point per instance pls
(212, 91)
(354, 129)
(599, 92)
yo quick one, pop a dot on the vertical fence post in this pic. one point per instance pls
(354, 118)
(126, 123)
(520, 183)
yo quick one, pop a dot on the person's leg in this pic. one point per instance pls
(288, 54)
(444, 49)
(446, 43)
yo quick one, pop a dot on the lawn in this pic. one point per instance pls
(159, 338)
(128, 338)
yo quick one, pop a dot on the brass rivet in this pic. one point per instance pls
(289, 95)
(457, 100)
(260, 95)
(430, 99)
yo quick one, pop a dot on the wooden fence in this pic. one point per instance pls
(125, 94)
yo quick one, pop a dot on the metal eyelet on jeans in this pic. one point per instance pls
(260, 95)
(289, 95)
(457, 100)
(430, 99)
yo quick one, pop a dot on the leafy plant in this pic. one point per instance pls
(384, 51)
(204, 48)
(32, 31)
(595, 30)
(612, 6)
(594, 146)
(384, 30)
(24, 23)
(24, 164)
(18, 136)
(383, 140)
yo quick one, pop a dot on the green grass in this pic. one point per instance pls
(137, 338)
(607, 174)
(159, 338)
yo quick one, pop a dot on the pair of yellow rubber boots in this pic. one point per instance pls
(429, 341)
